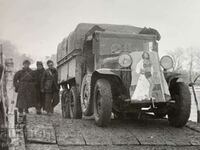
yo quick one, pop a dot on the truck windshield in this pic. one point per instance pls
(110, 46)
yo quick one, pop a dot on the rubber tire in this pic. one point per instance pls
(75, 97)
(86, 82)
(118, 115)
(180, 114)
(65, 104)
(103, 87)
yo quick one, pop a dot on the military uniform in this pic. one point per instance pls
(40, 95)
(50, 88)
(25, 86)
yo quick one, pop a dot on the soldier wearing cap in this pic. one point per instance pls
(25, 86)
(49, 87)
(40, 96)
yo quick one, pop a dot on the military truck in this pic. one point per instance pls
(114, 70)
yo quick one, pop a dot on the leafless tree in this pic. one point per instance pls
(186, 60)
(10, 51)
(192, 54)
(178, 58)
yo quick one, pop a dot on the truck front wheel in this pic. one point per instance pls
(86, 104)
(102, 102)
(65, 104)
(75, 104)
(180, 113)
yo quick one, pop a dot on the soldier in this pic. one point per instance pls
(50, 87)
(40, 96)
(24, 83)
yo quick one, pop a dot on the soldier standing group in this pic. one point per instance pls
(36, 88)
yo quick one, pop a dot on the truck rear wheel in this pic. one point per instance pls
(102, 102)
(180, 113)
(65, 104)
(75, 104)
(86, 104)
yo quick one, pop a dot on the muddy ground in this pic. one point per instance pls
(55, 133)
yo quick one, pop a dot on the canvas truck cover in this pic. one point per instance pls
(59, 56)
(62, 49)
(76, 39)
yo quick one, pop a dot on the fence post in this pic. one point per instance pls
(11, 96)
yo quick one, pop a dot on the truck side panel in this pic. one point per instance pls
(72, 68)
(67, 70)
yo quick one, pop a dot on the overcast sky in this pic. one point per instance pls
(37, 26)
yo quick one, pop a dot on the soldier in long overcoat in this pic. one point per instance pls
(25, 86)
(40, 96)
(49, 85)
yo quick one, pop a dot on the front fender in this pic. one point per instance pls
(171, 76)
(107, 71)
(104, 73)
(101, 73)
(114, 77)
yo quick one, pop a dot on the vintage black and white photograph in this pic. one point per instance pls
(99, 75)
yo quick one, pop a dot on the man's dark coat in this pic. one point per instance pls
(40, 95)
(25, 86)
(49, 84)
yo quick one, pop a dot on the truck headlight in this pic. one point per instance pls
(125, 60)
(166, 62)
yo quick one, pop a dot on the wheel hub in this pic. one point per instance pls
(85, 97)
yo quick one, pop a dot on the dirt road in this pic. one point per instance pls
(55, 133)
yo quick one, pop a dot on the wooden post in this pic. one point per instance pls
(197, 105)
(195, 98)
(10, 96)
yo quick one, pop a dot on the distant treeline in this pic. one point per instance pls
(10, 51)
(187, 62)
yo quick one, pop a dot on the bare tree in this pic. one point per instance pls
(198, 59)
(191, 64)
(192, 54)
(178, 58)
(10, 51)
